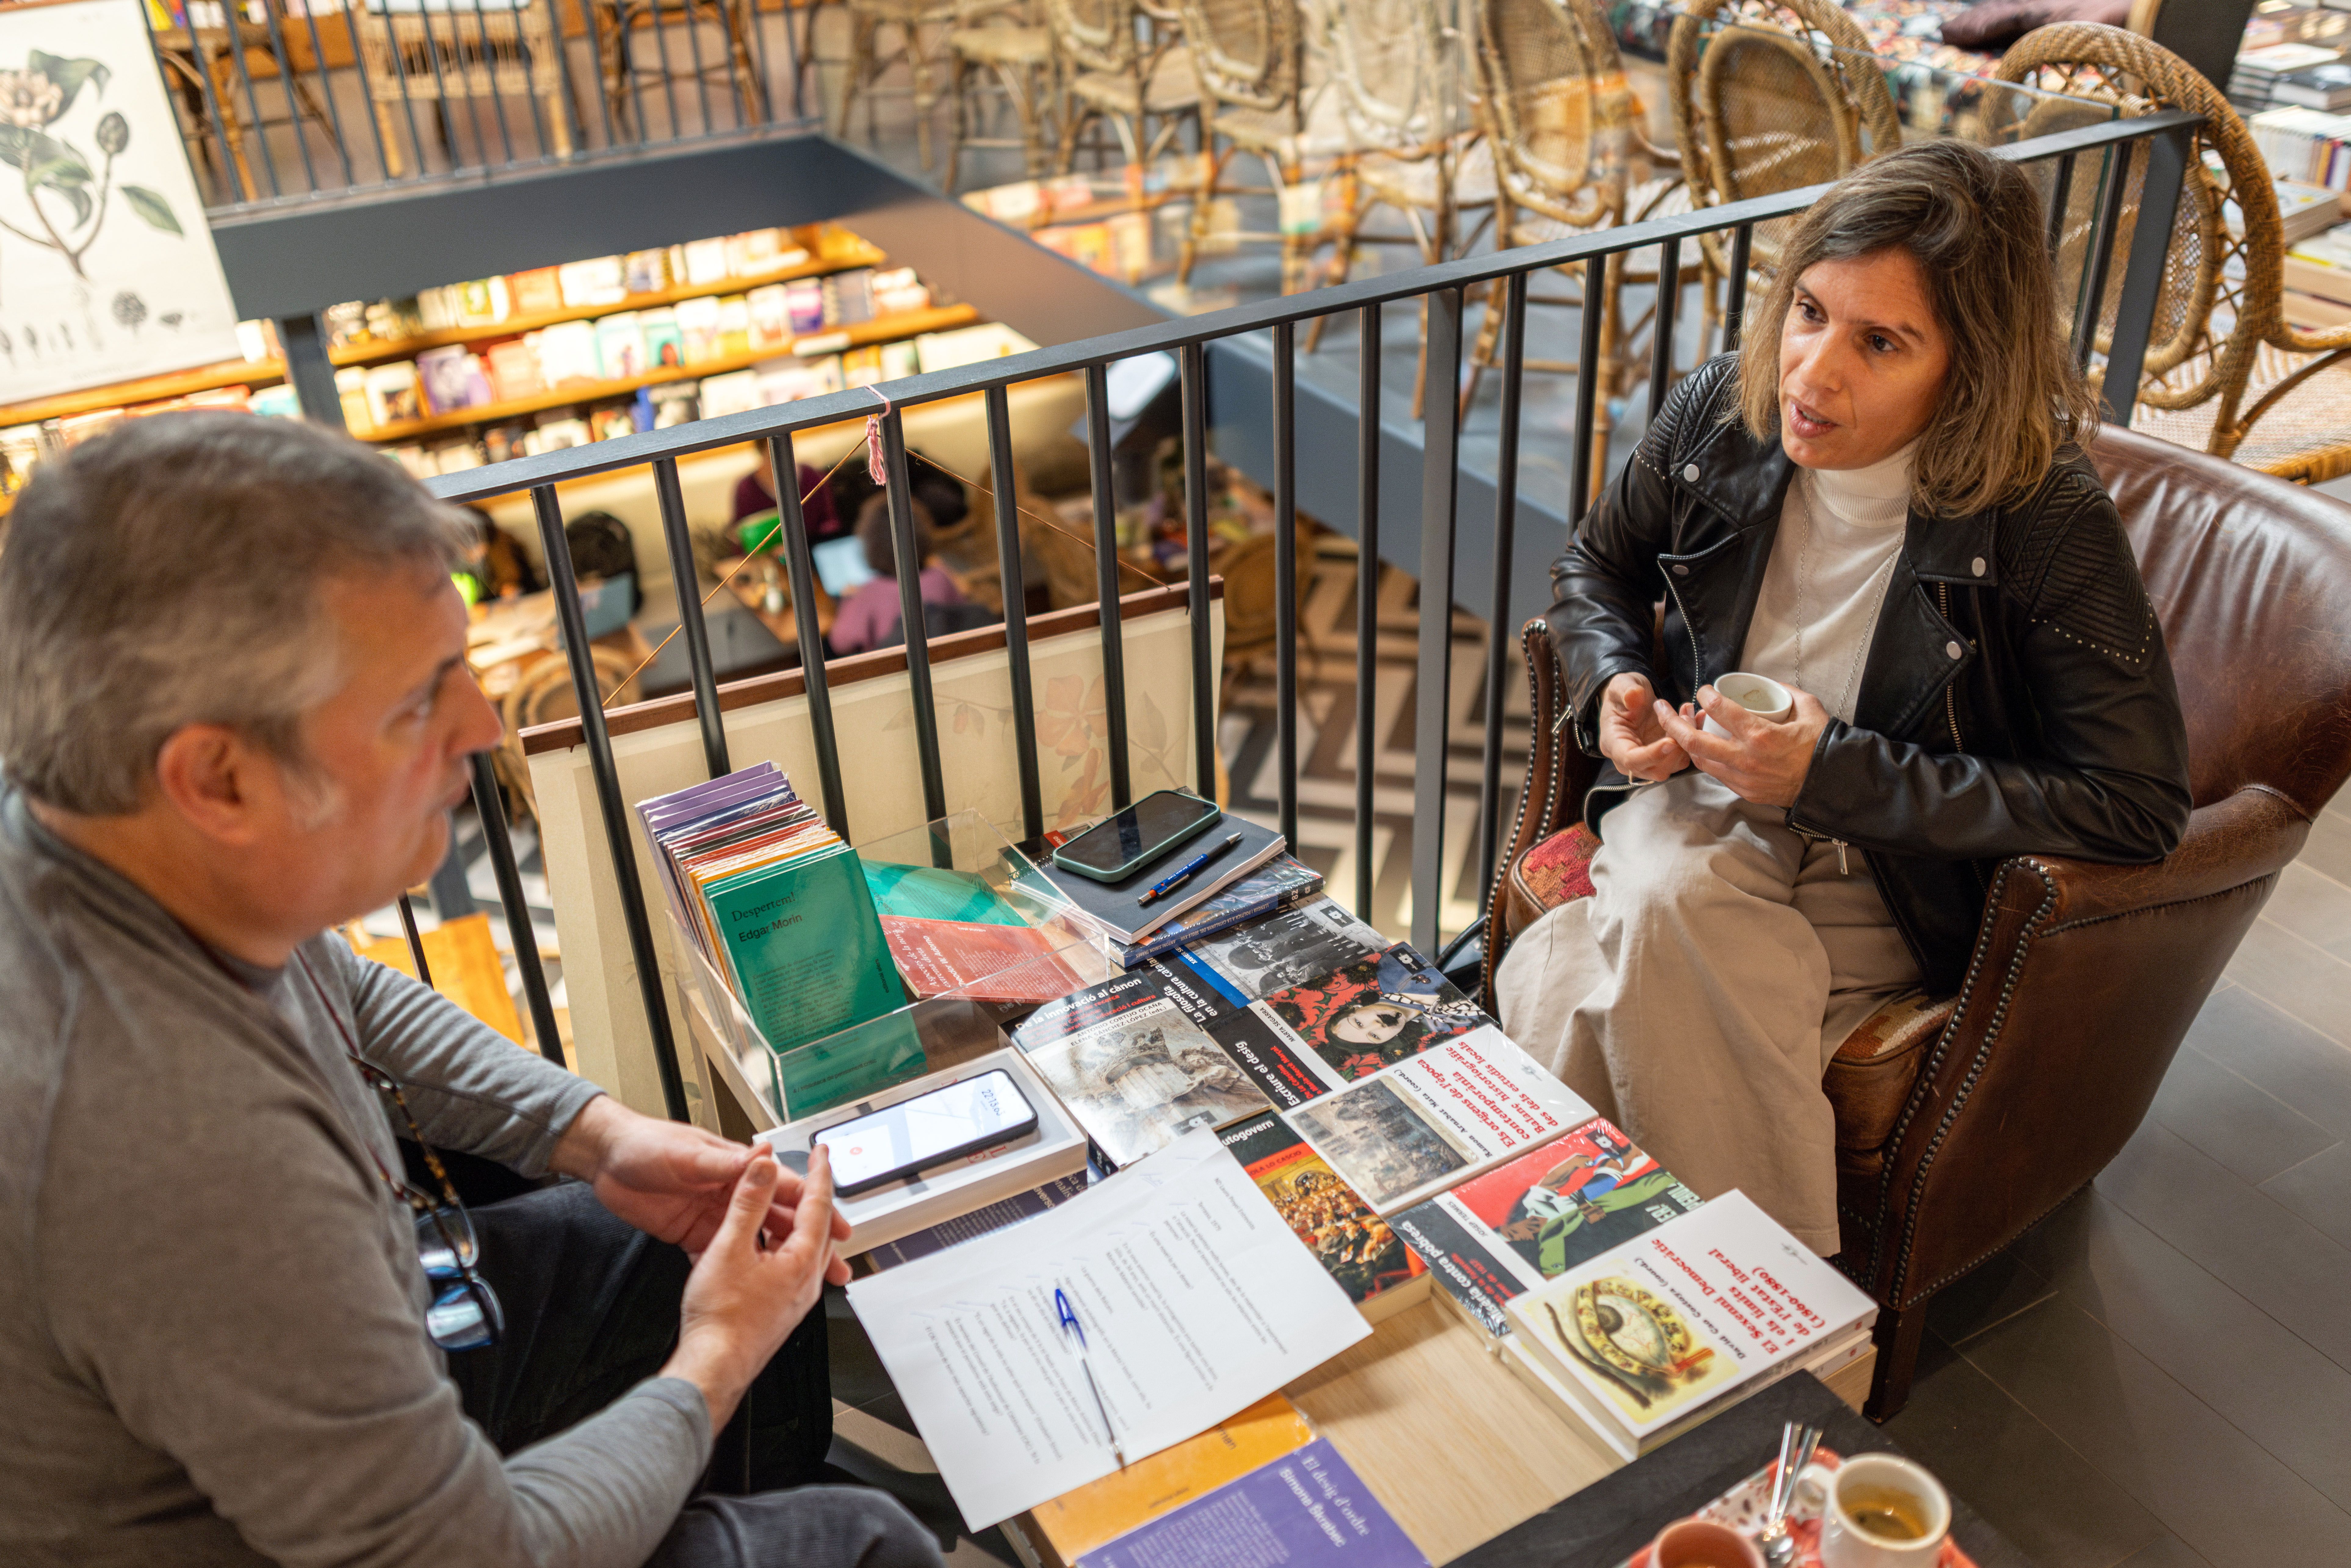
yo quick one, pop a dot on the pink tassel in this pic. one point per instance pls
(875, 467)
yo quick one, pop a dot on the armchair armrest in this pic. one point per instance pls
(1558, 774)
(2084, 981)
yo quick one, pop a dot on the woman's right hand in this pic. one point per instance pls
(1631, 736)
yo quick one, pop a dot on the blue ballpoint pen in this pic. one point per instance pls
(1186, 871)
(1070, 1326)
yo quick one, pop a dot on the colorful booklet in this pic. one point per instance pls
(1674, 1324)
(1355, 1246)
(1366, 1015)
(1504, 1234)
(1101, 1511)
(1435, 1120)
(1306, 1509)
(986, 963)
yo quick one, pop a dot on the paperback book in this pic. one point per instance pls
(1674, 1324)
(1131, 1061)
(986, 963)
(1373, 1010)
(1102, 1511)
(1117, 907)
(1434, 1121)
(1306, 1509)
(1356, 1247)
(1279, 884)
(1492, 1239)
(1257, 956)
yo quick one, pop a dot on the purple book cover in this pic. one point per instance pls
(1305, 1509)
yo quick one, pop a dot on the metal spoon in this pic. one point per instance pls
(1796, 1446)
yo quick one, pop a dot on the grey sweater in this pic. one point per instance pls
(212, 1334)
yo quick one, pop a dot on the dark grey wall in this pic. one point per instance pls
(304, 258)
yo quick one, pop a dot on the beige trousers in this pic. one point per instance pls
(1695, 999)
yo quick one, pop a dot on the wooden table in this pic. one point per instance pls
(748, 583)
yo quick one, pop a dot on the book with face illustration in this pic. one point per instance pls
(1381, 1008)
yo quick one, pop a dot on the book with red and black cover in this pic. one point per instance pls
(1130, 1060)
(1536, 1218)
(1272, 952)
(1363, 1016)
(1353, 1244)
(986, 963)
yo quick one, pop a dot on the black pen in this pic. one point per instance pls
(1183, 875)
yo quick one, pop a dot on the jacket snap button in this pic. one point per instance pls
(1953, 648)
(1689, 472)
(1681, 571)
(1976, 566)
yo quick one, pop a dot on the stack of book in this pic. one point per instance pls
(776, 902)
(2252, 84)
(2307, 144)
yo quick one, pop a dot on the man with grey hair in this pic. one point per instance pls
(235, 711)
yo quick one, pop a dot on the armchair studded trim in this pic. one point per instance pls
(1558, 774)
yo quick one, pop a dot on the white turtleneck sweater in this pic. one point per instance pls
(1818, 608)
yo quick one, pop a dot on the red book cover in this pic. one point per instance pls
(986, 963)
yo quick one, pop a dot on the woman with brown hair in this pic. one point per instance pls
(1882, 503)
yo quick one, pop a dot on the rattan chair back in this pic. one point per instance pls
(1246, 51)
(1095, 35)
(1772, 95)
(1388, 59)
(1556, 106)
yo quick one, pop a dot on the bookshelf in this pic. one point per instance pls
(881, 330)
(843, 258)
(148, 389)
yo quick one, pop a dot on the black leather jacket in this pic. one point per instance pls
(2017, 699)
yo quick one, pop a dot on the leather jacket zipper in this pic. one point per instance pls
(1950, 688)
(1697, 665)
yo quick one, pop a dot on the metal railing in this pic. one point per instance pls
(2158, 144)
(291, 99)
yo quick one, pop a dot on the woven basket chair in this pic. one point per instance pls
(1249, 57)
(1768, 96)
(923, 27)
(1110, 75)
(635, 76)
(1000, 60)
(1559, 119)
(2224, 372)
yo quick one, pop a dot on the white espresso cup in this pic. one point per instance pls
(1759, 695)
(1884, 1513)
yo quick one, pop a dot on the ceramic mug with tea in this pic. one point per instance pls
(1884, 1512)
(1703, 1543)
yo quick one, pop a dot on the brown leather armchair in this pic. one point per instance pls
(1961, 1123)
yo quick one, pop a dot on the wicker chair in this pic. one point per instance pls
(1110, 75)
(629, 76)
(1559, 121)
(2224, 371)
(1250, 58)
(1767, 95)
(869, 62)
(1005, 55)
(443, 51)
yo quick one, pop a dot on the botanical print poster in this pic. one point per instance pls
(106, 268)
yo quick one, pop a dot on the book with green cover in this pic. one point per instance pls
(930, 892)
(804, 946)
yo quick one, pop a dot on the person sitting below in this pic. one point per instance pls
(235, 1329)
(872, 616)
(754, 492)
(1880, 501)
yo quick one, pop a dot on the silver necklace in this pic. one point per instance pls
(1803, 596)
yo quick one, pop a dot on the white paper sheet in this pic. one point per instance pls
(1197, 1300)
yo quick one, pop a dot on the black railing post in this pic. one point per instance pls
(1007, 499)
(1285, 581)
(2102, 249)
(577, 649)
(416, 942)
(1114, 643)
(490, 806)
(907, 551)
(2061, 196)
(687, 578)
(1440, 477)
(1193, 371)
(2167, 152)
(1497, 626)
(1734, 307)
(303, 340)
(1587, 387)
(1662, 322)
(1367, 598)
(801, 567)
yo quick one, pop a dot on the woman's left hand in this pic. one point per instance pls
(1757, 760)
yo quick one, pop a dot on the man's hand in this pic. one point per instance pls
(668, 1180)
(1630, 734)
(1759, 760)
(752, 1285)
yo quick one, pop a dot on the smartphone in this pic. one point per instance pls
(910, 1137)
(1117, 846)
